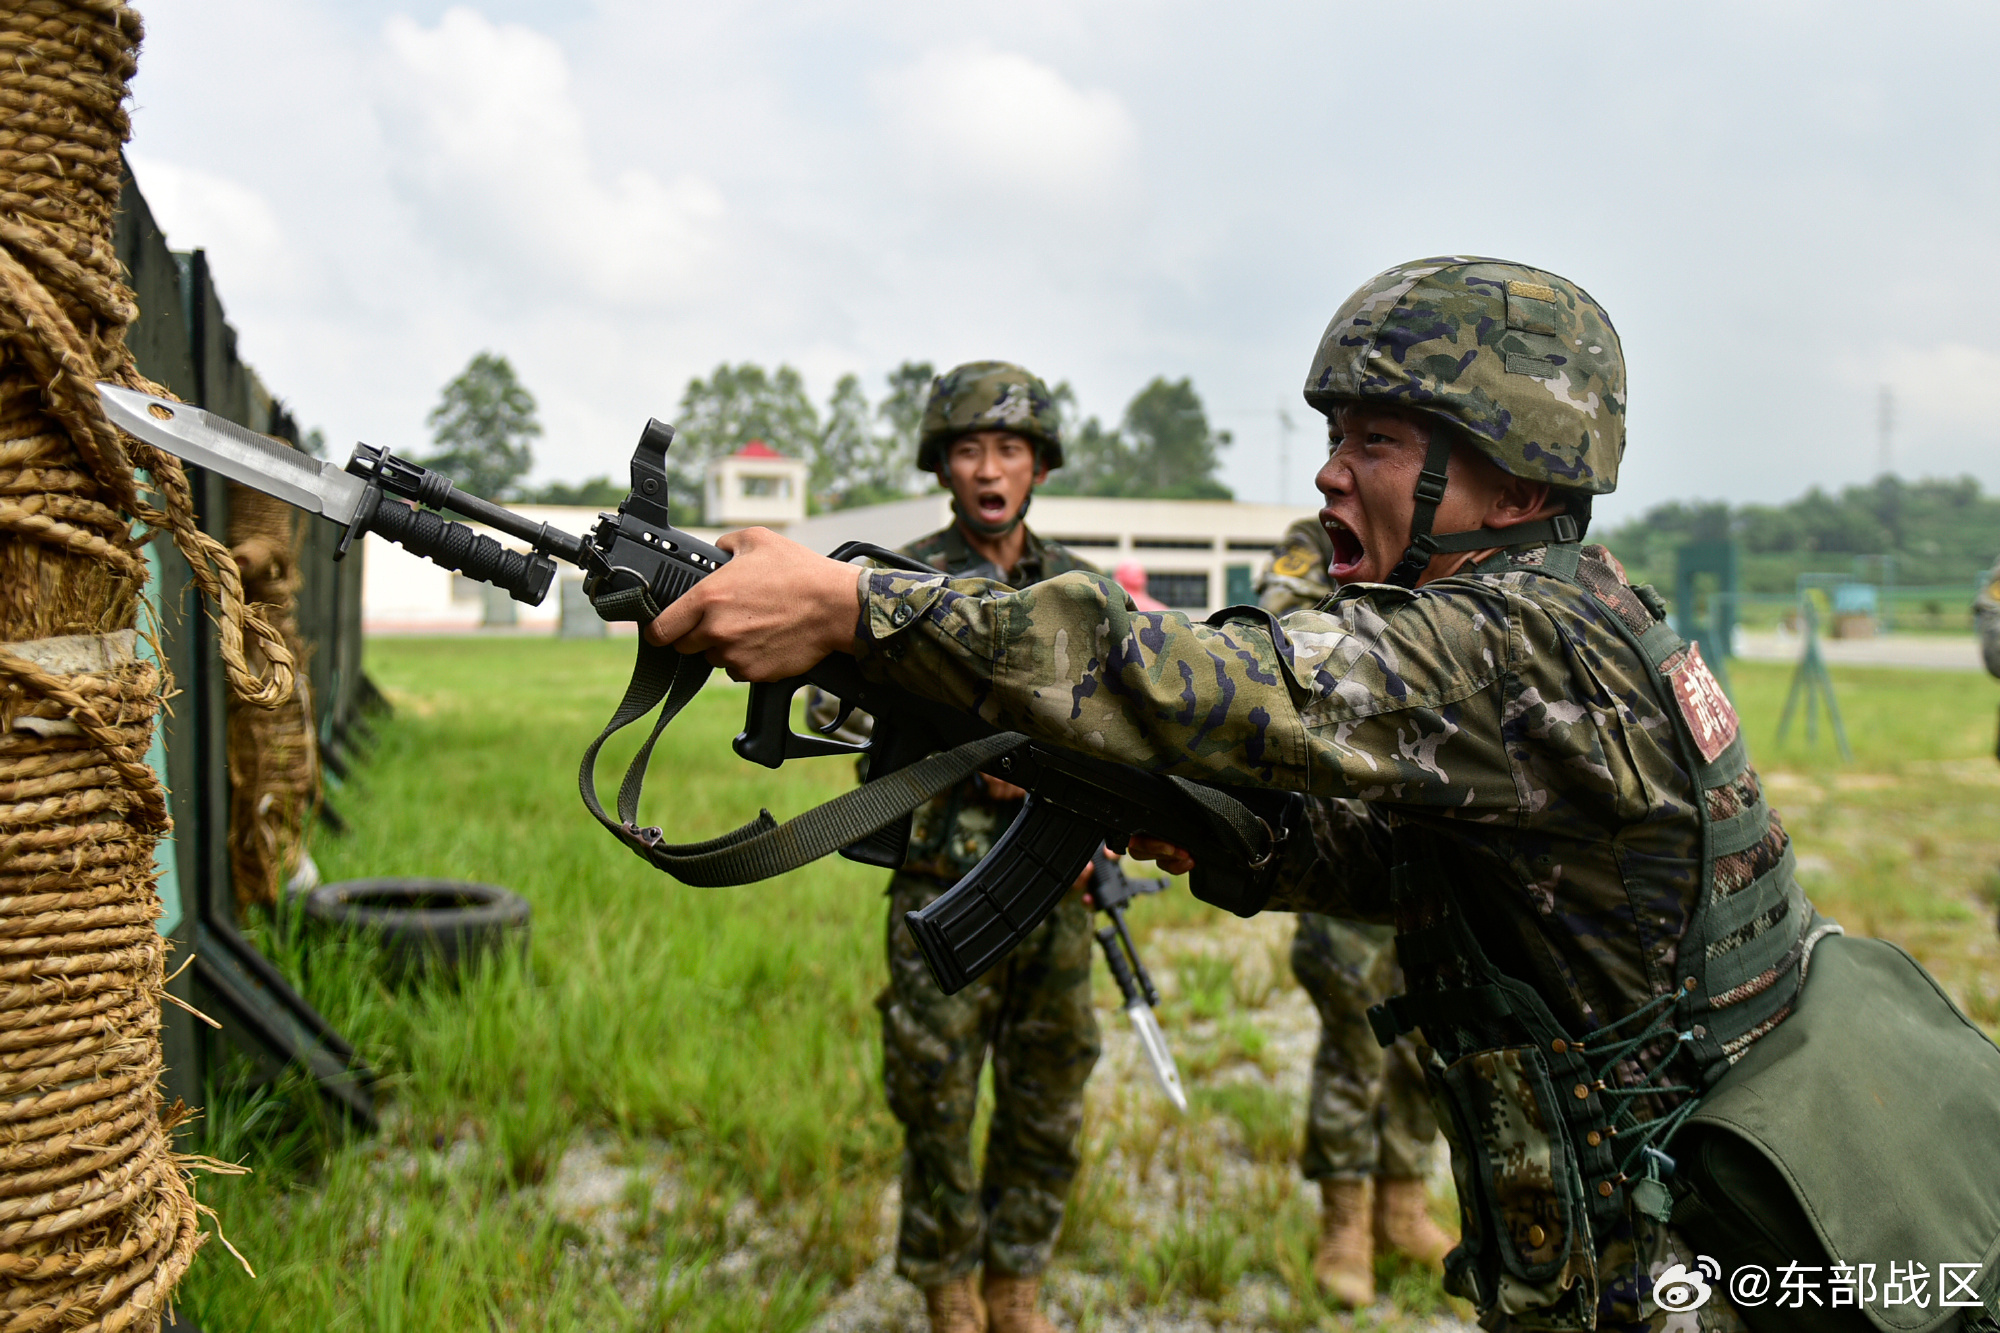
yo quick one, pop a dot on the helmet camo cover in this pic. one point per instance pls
(1526, 362)
(989, 395)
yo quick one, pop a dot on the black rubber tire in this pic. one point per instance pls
(425, 923)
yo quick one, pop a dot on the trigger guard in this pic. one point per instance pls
(839, 720)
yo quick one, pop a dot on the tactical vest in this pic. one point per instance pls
(1547, 1146)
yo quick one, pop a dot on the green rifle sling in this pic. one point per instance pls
(763, 847)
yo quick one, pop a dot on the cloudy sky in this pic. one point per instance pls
(1786, 207)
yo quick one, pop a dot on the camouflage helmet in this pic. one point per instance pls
(1525, 362)
(989, 395)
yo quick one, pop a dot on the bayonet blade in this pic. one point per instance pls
(221, 446)
(1154, 1043)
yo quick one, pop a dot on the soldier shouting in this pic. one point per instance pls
(990, 433)
(1650, 1047)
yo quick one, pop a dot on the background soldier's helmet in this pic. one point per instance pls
(1524, 361)
(989, 395)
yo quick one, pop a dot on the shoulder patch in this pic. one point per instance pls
(1709, 715)
(1296, 562)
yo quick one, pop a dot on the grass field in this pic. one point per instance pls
(668, 1116)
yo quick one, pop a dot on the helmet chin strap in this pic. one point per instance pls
(1424, 543)
(987, 529)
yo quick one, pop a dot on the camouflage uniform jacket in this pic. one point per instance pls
(1986, 611)
(1297, 577)
(950, 833)
(1497, 709)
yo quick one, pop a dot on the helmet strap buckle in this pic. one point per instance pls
(1430, 494)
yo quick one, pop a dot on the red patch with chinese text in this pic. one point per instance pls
(1704, 707)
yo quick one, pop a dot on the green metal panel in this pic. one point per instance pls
(1721, 560)
(183, 341)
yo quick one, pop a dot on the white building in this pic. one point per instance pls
(756, 486)
(1199, 555)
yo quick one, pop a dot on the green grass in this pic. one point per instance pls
(735, 1026)
(1271, 1125)
(718, 1048)
(1895, 717)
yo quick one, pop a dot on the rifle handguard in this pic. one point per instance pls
(526, 576)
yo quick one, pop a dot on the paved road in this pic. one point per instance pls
(1943, 652)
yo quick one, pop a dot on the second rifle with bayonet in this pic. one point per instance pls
(1111, 889)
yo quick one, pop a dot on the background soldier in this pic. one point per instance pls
(990, 433)
(1986, 612)
(1368, 1115)
(1649, 1042)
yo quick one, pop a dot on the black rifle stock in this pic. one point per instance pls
(635, 563)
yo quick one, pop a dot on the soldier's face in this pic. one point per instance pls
(1370, 485)
(991, 473)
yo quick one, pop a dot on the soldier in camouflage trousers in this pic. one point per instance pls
(1504, 748)
(1369, 1123)
(990, 434)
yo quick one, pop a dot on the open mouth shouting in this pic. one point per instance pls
(991, 506)
(1348, 549)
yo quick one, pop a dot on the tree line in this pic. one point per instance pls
(861, 451)
(1933, 531)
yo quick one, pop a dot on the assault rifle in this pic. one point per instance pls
(634, 564)
(1111, 889)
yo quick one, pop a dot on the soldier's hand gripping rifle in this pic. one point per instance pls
(1111, 889)
(634, 564)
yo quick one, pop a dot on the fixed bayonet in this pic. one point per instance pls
(221, 446)
(361, 497)
(1111, 889)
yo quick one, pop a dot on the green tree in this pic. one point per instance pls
(1933, 531)
(902, 412)
(1095, 460)
(721, 414)
(596, 493)
(482, 426)
(1163, 449)
(1173, 451)
(866, 454)
(845, 457)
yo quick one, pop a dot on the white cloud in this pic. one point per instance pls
(1954, 385)
(973, 116)
(488, 143)
(233, 222)
(618, 195)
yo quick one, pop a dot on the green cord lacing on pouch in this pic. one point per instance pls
(1625, 1121)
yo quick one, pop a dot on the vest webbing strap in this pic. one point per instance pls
(1746, 941)
(1740, 832)
(763, 847)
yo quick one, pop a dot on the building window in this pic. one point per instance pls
(1180, 591)
(1174, 543)
(759, 487)
(1242, 589)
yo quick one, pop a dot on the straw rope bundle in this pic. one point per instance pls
(273, 752)
(96, 1219)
